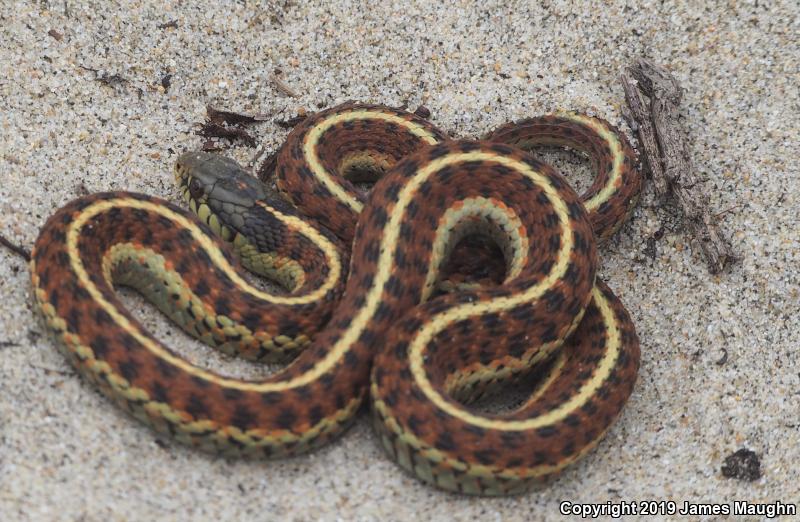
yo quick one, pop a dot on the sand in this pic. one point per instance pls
(85, 109)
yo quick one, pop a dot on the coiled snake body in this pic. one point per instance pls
(422, 354)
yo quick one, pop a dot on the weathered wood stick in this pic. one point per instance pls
(667, 155)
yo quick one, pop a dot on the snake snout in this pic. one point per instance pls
(217, 179)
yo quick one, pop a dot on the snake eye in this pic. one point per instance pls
(195, 190)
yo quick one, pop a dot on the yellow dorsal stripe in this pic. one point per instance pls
(501, 215)
(203, 241)
(312, 138)
(617, 153)
(217, 258)
(362, 316)
(391, 232)
(586, 392)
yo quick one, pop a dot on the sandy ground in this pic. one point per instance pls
(85, 108)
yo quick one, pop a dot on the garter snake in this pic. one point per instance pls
(427, 349)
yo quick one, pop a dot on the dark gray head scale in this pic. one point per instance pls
(217, 180)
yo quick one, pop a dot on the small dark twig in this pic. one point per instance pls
(172, 24)
(215, 130)
(291, 122)
(727, 210)
(210, 146)
(15, 248)
(50, 371)
(277, 79)
(106, 79)
(226, 124)
(220, 117)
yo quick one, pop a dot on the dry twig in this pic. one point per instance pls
(227, 124)
(277, 79)
(667, 155)
(215, 130)
(291, 122)
(20, 251)
(220, 116)
(111, 80)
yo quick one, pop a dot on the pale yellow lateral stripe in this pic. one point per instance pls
(617, 154)
(587, 391)
(392, 232)
(503, 216)
(476, 470)
(373, 298)
(311, 139)
(217, 258)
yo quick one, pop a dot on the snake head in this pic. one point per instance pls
(216, 185)
(204, 176)
(213, 184)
